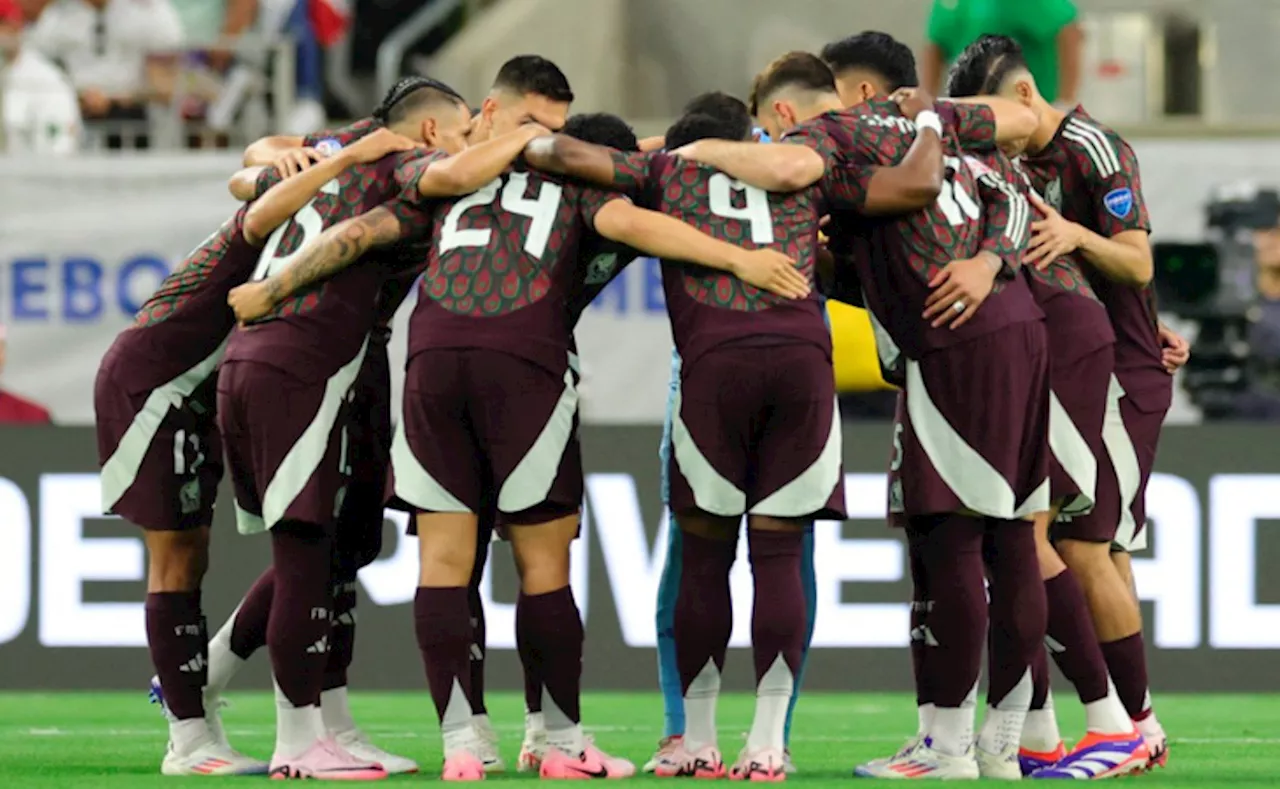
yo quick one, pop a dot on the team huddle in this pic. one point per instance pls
(1000, 246)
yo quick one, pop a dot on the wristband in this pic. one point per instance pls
(929, 120)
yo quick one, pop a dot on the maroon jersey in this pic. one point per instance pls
(1090, 174)
(316, 331)
(1078, 322)
(187, 319)
(502, 263)
(330, 141)
(711, 308)
(895, 257)
(602, 261)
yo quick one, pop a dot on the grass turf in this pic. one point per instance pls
(116, 740)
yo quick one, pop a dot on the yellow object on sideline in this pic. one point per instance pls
(854, 350)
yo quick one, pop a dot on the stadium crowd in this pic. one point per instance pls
(999, 243)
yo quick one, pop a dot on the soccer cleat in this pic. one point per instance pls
(705, 763)
(210, 758)
(591, 762)
(922, 762)
(463, 765)
(487, 747)
(666, 757)
(788, 766)
(532, 750)
(1157, 741)
(1100, 756)
(1003, 766)
(326, 760)
(872, 768)
(762, 764)
(357, 744)
(1029, 761)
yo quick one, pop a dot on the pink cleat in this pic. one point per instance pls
(590, 763)
(705, 763)
(326, 760)
(764, 764)
(463, 765)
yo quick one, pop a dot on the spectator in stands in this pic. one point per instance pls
(38, 109)
(118, 53)
(16, 410)
(209, 22)
(1048, 31)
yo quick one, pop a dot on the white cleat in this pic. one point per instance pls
(357, 743)
(1157, 741)
(487, 748)
(762, 764)
(788, 766)
(532, 751)
(669, 755)
(325, 760)
(924, 763)
(210, 758)
(1003, 766)
(873, 768)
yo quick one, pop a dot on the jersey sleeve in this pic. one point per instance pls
(635, 172)
(268, 178)
(336, 139)
(410, 167)
(974, 124)
(848, 174)
(1006, 215)
(415, 217)
(590, 199)
(942, 26)
(1042, 21)
(1115, 185)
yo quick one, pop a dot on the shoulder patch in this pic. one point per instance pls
(328, 146)
(1119, 202)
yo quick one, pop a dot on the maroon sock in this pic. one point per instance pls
(1073, 641)
(443, 627)
(1018, 607)
(1127, 662)
(532, 680)
(919, 626)
(298, 629)
(778, 621)
(1039, 679)
(249, 628)
(704, 610)
(342, 634)
(475, 606)
(951, 551)
(179, 643)
(553, 627)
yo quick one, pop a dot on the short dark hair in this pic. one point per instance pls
(802, 70)
(721, 105)
(526, 74)
(877, 52)
(412, 94)
(984, 65)
(601, 128)
(700, 126)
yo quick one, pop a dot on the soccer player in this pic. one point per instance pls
(942, 288)
(784, 477)
(161, 455)
(1093, 207)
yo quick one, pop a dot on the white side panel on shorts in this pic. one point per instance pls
(809, 492)
(1124, 459)
(1075, 457)
(711, 491)
(305, 456)
(530, 481)
(413, 484)
(978, 485)
(247, 522)
(121, 469)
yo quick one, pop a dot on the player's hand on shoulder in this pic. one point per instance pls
(1052, 236)
(295, 160)
(375, 145)
(773, 271)
(250, 301)
(959, 290)
(913, 101)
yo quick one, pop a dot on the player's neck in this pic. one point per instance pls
(1269, 283)
(1050, 120)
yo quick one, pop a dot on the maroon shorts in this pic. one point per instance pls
(362, 517)
(972, 432)
(286, 443)
(477, 419)
(1078, 407)
(1131, 433)
(159, 449)
(756, 430)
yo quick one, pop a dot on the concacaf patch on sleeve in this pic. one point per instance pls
(328, 146)
(1119, 202)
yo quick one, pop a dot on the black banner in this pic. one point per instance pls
(72, 582)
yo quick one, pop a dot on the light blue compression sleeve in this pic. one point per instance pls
(668, 672)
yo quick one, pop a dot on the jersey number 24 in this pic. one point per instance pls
(540, 210)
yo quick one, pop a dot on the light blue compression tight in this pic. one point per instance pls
(668, 674)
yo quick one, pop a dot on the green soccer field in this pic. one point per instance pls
(115, 740)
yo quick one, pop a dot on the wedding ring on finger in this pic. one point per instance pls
(958, 306)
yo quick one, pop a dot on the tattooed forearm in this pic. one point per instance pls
(335, 249)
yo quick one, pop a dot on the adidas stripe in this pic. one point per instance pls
(1096, 143)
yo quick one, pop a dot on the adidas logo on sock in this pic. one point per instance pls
(320, 647)
(194, 666)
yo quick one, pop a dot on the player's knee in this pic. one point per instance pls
(542, 553)
(1086, 558)
(177, 560)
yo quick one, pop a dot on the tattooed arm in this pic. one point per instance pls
(334, 250)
